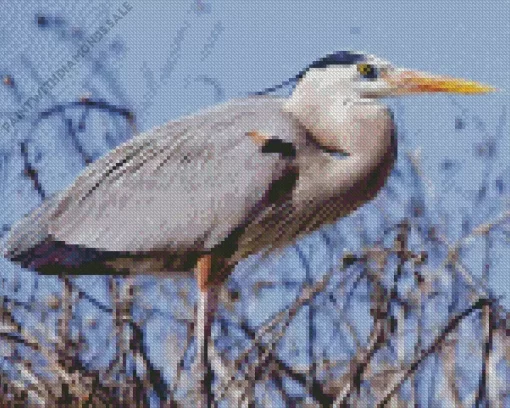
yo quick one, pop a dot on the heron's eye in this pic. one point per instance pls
(367, 71)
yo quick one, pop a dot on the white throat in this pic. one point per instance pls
(336, 115)
(339, 119)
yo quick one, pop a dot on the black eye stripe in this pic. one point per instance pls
(338, 58)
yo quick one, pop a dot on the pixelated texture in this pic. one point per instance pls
(241, 204)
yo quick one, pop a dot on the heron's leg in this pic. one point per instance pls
(207, 302)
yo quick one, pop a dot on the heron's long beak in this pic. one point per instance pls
(407, 82)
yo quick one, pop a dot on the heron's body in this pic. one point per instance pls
(249, 176)
(202, 184)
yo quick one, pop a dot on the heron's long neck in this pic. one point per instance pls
(343, 121)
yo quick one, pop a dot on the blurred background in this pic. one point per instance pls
(403, 303)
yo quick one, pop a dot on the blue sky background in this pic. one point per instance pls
(175, 57)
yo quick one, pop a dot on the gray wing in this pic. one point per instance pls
(183, 186)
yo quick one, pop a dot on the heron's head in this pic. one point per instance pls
(371, 77)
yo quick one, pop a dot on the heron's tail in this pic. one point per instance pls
(30, 244)
(30, 232)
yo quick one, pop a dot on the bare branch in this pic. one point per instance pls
(434, 347)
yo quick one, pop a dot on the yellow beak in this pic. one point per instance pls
(416, 82)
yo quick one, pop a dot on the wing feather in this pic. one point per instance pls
(183, 186)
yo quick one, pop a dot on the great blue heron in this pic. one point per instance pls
(244, 177)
